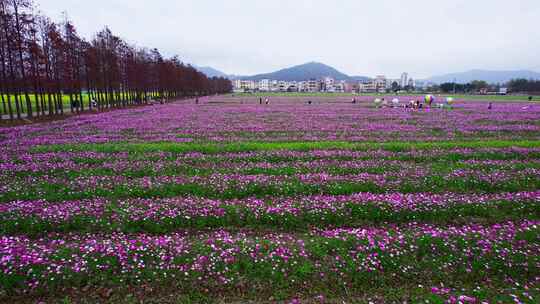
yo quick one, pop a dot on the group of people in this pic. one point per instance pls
(428, 102)
(381, 103)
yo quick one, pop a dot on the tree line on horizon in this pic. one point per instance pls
(522, 85)
(47, 67)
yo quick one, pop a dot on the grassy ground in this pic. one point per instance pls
(22, 100)
(292, 146)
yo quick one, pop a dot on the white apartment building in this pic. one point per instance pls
(293, 86)
(377, 85)
(302, 86)
(313, 85)
(244, 85)
(329, 83)
(404, 80)
(369, 86)
(339, 87)
(381, 83)
(264, 85)
(274, 86)
(283, 86)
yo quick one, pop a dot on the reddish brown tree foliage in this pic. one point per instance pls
(44, 65)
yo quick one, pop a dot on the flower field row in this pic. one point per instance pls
(166, 215)
(353, 258)
(228, 186)
(146, 163)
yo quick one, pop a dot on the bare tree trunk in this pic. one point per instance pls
(50, 103)
(43, 95)
(3, 83)
(10, 108)
(21, 59)
(71, 102)
(35, 76)
(17, 104)
(2, 95)
(12, 77)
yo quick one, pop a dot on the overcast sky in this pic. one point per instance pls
(368, 37)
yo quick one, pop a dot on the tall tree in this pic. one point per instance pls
(22, 18)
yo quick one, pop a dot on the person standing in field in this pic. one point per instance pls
(267, 100)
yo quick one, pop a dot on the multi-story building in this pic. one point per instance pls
(404, 80)
(293, 87)
(313, 86)
(339, 87)
(381, 83)
(237, 85)
(264, 85)
(244, 85)
(377, 85)
(302, 86)
(411, 83)
(283, 86)
(274, 86)
(328, 84)
(368, 86)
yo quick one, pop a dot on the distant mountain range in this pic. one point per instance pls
(301, 72)
(318, 70)
(488, 76)
(310, 70)
(211, 72)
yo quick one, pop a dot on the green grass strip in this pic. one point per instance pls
(435, 184)
(215, 148)
(351, 215)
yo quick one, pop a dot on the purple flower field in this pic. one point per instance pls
(284, 119)
(230, 201)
